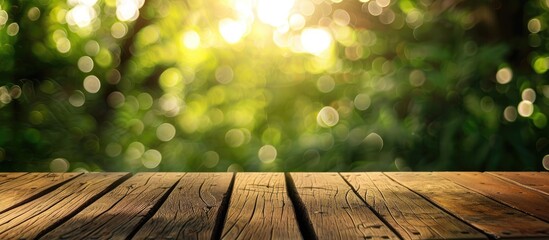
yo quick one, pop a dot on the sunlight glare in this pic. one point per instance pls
(81, 2)
(244, 8)
(274, 13)
(297, 22)
(81, 16)
(231, 30)
(128, 10)
(306, 8)
(191, 40)
(316, 40)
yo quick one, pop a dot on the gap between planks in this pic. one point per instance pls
(193, 210)
(336, 211)
(412, 216)
(118, 213)
(302, 217)
(48, 228)
(56, 206)
(260, 208)
(17, 190)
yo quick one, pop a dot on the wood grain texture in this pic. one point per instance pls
(28, 186)
(488, 215)
(116, 214)
(30, 219)
(260, 209)
(10, 176)
(335, 211)
(408, 213)
(191, 209)
(518, 197)
(538, 181)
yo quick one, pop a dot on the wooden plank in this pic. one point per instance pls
(408, 213)
(486, 214)
(9, 176)
(117, 214)
(29, 186)
(191, 210)
(260, 209)
(538, 181)
(518, 197)
(30, 219)
(335, 211)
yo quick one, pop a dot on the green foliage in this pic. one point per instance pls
(168, 85)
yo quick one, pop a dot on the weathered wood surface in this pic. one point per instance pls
(191, 210)
(9, 176)
(335, 211)
(529, 201)
(260, 209)
(410, 215)
(439, 205)
(30, 219)
(117, 214)
(538, 181)
(486, 214)
(26, 187)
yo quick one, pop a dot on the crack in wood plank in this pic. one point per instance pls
(190, 211)
(409, 214)
(116, 214)
(259, 209)
(335, 211)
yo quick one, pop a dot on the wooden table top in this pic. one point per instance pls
(373, 205)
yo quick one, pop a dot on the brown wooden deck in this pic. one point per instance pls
(429, 205)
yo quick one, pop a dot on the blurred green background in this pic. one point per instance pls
(263, 85)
